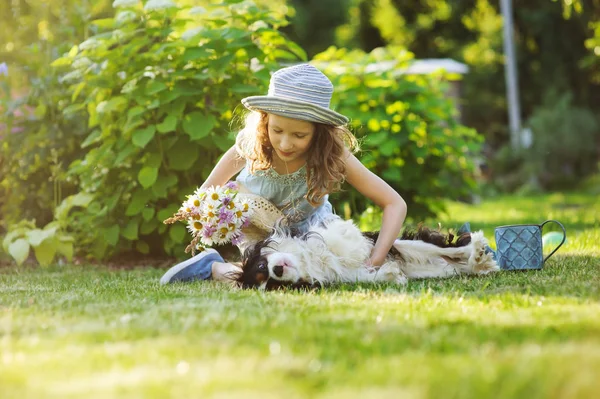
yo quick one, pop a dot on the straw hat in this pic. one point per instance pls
(263, 217)
(298, 92)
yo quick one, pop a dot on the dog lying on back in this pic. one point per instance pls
(338, 251)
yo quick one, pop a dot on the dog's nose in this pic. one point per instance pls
(278, 270)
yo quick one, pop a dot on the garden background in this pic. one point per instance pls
(112, 111)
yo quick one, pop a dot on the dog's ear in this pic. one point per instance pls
(235, 275)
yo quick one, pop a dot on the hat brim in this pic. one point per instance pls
(294, 109)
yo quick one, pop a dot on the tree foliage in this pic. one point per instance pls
(157, 86)
(408, 128)
(556, 44)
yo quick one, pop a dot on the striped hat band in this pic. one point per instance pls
(299, 92)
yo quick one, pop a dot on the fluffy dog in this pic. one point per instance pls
(338, 252)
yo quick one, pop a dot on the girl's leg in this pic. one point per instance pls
(207, 265)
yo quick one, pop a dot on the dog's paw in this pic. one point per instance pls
(391, 272)
(480, 261)
(401, 280)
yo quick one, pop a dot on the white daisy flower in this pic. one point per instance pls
(194, 201)
(213, 197)
(200, 193)
(194, 227)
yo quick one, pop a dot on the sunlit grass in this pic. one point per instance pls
(88, 331)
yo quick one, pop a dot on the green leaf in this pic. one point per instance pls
(80, 199)
(177, 232)
(104, 23)
(73, 109)
(19, 250)
(154, 160)
(133, 123)
(195, 53)
(93, 137)
(148, 227)
(141, 137)
(135, 111)
(62, 61)
(138, 202)
(148, 213)
(142, 247)
(45, 252)
(65, 248)
(168, 96)
(162, 185)
(124, 154)
(222, 142)
(392, 175)
(12, 235)
(37, 236)
(168, 124)
(111, 235)
(147, 176)
(197, 125)
(182, 155)
(154, 87)
(375, 139)
(167, 212)
(130, 231)
(243, 88)
(112, 201)
(388, 147)
(116, 103)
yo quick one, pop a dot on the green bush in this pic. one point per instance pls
(37, 143)
(565, 142)
(157, 87)
(408, 127)
(564, 148)
(37, 146)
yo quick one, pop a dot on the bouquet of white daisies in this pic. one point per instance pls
(213, 216)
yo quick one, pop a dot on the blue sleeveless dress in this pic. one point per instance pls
(287, 193)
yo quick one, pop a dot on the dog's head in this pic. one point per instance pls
(265, 267)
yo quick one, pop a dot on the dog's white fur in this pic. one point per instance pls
(338, 252)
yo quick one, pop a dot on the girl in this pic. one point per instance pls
(294, 151)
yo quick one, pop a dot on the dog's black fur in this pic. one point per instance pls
(255, 272)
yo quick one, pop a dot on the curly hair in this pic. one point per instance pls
(326, 165)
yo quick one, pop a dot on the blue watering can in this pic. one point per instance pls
(519, 246)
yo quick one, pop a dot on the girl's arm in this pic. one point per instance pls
(228, 166)
(378, 191)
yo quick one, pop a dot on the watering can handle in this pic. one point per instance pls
(563, 240)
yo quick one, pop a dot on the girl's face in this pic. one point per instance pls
(290, 138)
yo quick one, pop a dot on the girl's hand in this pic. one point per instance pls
(374, 263)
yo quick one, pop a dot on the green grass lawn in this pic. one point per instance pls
(91, 332)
